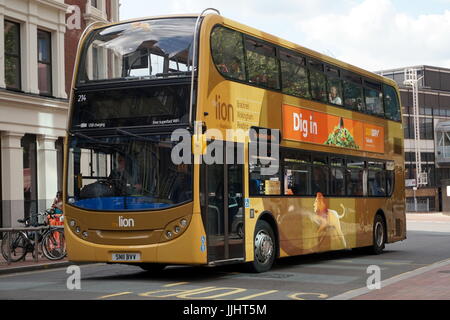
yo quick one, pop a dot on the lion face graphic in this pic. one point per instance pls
(328, 220)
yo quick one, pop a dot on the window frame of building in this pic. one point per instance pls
(426, 128)
(29, 147)
(13, 55)
(45, 62)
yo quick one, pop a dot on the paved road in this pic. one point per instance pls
(314, 277)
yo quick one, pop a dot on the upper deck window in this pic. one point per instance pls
(391, 103)
(138, 50)
(373, 98)
(353, 92)
(318, 81)
(262, 64)
(228, 52)
(294, 75)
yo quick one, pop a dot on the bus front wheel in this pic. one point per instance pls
(264, 248)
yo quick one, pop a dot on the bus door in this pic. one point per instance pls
(223, 204)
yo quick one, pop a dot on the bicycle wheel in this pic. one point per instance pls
(54, 245)
(18, 246)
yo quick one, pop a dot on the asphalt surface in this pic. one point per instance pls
(312, 277)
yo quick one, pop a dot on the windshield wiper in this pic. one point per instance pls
(130, 134)
(97, 141)
(80, 135)
(176, 73)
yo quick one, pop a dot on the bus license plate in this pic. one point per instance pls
(126, 257)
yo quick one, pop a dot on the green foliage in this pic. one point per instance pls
(318, 85)
(295, 80)
(262, 69)
(228, 52)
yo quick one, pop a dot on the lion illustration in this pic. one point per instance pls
(328, 220)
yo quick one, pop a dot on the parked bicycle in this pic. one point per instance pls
(51, 240)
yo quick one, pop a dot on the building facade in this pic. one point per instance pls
(434, 111)
(36, 65)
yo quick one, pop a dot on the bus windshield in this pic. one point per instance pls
(126, 173)
(138, 50)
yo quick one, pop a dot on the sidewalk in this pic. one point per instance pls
(431, 216)
(428, 283)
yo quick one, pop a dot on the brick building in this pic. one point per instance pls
(434, 110)
(36, 65)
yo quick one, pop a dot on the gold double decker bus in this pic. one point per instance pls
(198, 140)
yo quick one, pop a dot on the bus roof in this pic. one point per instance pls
(295, 47)
(267, 37)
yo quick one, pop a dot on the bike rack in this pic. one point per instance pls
(26, 229)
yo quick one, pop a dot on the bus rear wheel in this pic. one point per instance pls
(379, 235)
(264, 248)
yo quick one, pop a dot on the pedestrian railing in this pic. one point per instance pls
(35, 242)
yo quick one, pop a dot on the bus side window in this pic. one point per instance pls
(353, 96)
(376, 179)
(228, 52)
(262, 64)
(321, 175)
(260, 183)
(355, 178)
(390, 178)
(337, 177)
(391, 103)
(318, 85)
(374, 102)
(334, 91)
(294, 75)
(297, 173)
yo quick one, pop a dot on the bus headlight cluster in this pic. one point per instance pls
(75, 227)
(175, 228)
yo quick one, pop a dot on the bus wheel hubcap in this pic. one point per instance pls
(263, 247)
(379, 232)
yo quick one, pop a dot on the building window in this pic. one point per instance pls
(44, 62)
(30, 194)
(12, 55)
(59, 146)
(426, 128)
(95, 3)
(408, 127)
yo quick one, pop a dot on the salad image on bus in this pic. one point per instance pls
(341, 137)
